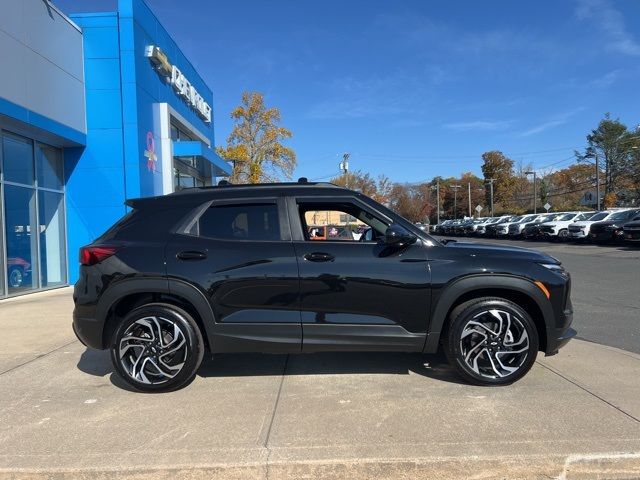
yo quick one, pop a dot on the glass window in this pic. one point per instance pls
(17, 154)
(20, 226)
(52, 242)
(340, 222)
(247, 222)
(49, 167)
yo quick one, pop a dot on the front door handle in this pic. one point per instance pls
(191, 255)
(319, 257)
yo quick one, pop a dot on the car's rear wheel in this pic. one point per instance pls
(157, 347)
(16, 277)
(491, 341)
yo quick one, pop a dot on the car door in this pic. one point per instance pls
(240, 255)
(357, 294)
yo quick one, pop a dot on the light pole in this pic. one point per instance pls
(455, 200)
(344, 166)
(437, 189)
(535, 208)
(469, 194)
(490, 182)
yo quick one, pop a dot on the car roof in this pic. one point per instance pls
(228, 190)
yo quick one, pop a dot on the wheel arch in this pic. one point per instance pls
(519, 290)
(126, 295)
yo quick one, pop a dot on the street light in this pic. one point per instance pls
(535, 208)
(437, 189)
(455, 200)
(490, 182)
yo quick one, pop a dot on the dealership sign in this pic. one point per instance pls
(180, 83)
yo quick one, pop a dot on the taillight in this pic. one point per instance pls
(95, 254)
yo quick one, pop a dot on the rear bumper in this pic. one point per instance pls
(88, 331)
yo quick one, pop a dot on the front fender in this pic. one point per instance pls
(456, 289)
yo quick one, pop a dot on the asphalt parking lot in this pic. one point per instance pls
(576, 415)
(606, 288)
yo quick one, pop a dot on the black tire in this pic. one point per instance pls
(16, 277)
(563, 235)
(164, 356)
(485, 354)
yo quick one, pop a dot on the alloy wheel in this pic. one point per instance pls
(494, 343)
(153, 350)
(15, 278)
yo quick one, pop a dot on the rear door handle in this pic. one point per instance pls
(319, 257)
(191, 255)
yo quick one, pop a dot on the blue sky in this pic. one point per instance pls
(415, 89)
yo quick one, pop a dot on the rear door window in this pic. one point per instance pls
(240, 222)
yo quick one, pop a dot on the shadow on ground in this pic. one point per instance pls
(98, 363)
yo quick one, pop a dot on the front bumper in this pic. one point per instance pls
(560, 340)
(632, 236)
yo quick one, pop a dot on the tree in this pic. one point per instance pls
(565, 187)
(499, 167)
(378, 189)
(412, 201)
(254, 146)
(613, 144)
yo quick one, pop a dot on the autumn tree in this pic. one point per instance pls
(495, 165)
(377, 188)
(255, 147)
(412, 201)
(613, 144)
(566, 187)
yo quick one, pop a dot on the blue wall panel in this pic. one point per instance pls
(122, 89)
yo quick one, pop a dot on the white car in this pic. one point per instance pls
(515, 229)
(580, 229)
(559, 227)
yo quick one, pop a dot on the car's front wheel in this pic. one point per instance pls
(157, 347)
(491, 341)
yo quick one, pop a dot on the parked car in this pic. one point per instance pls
(632, 231)
(502, 229)
(531, 231)
(515, 228)
(233, 269)
(480, 228)
(18, 271)
(611, 230)
(558, 228)
(580, 229)
(491, 229)
(472, 227)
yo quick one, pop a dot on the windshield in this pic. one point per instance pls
(599, 216)
(528, 218)
(565, 217)
(622, 215)
(515, 219)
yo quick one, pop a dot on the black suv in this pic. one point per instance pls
(612, 229)
(243, 269)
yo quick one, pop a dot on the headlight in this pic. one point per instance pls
(611, 227)
(553, 266)
(557, 268)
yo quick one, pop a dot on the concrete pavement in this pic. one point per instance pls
(65, 414)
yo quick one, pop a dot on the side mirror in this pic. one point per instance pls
(398, 236)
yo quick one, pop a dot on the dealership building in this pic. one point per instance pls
(95, 109)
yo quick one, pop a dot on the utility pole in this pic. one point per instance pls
(597, 181)
(490, 181)
(469, 194)
(437, 188)
(344, 166)
(455, 200)
(535, 209)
